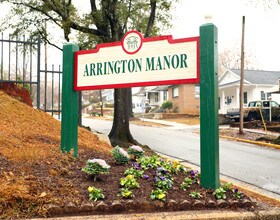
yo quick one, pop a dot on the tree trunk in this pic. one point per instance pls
(120, 132)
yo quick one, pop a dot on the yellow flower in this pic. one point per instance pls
(129, 177)
(161, 196)
(176, 162)
(90, 188)
(127, 193)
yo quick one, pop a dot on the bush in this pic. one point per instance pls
(167, 105)
(120, 155)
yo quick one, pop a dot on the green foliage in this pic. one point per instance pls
(220, 193)
(95, 194)
(135, 151)
(126, 193)
(96, 166)
(186, 184)
(173, 167)
(158, 194)
(195, 195)
(236, 193)
(129, 182)
(167, 105)
(149, 162)
(226, 186)
(106, 21)
(120, 155)
(134, 172)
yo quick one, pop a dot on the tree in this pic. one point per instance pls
(104, 21)
(231, 59)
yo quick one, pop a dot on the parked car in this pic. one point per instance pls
(254, 109)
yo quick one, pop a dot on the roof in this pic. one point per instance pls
(259, 76)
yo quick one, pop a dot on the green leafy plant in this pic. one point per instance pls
(134, 172)
(163, 179)
(195, 195)
(120, 155)
(167, 105)
(220, 193)
(158, 194)
(126, 193)
(95, 194)
(135, 151)
(96, 166)
(129, 182)
(236, 193)
(226, 186)
(173, 167)
(149, 162)
(186, 184)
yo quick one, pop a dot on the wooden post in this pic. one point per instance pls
(70, 103)
(209, 117)
(241, 98)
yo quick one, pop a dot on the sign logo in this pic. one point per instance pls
(132, 42)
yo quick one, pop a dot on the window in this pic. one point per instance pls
(165, 95)
(197, 91)
(245, 97)
(175, 92)
(262, 95)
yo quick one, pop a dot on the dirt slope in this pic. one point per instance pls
(32, 167)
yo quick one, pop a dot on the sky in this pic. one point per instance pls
(262, 32)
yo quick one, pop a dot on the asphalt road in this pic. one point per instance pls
(255, 165)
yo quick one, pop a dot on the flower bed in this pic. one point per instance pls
(147, 185)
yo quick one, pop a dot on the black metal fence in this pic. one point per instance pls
(20, 63)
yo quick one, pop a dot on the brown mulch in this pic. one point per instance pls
(38, 180)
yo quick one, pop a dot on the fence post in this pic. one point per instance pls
(209, 117)
(69, 119)
(38, 73)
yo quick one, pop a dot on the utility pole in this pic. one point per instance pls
(241, 98)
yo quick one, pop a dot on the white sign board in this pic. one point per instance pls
(138, 61)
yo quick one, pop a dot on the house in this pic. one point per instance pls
(185, 98)
(257, 84)
(153, 96)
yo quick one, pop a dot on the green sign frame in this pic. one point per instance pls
(209, 118)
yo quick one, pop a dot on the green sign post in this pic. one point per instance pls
(69, 120)
(208, 63)
(209, 117)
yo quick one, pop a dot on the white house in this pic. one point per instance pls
(257, 84)
(151, 95)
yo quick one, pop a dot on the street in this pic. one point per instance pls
(255, 165)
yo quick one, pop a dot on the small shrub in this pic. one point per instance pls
(195, 195)
(167, 105)
(120, 155)
(158, 194)
(95, 194)
(134, 172)
(129, 182)
(236, 193)
(220, 193)
(186, 184)
(96, 166)
(126, 193)
(226, 186)
(136, 151)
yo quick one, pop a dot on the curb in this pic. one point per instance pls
(194, 215)
(276, 146)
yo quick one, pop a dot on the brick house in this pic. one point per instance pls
(185, 98)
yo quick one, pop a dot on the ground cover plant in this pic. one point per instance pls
(38, 180)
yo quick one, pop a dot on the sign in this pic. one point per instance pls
(137, 61)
